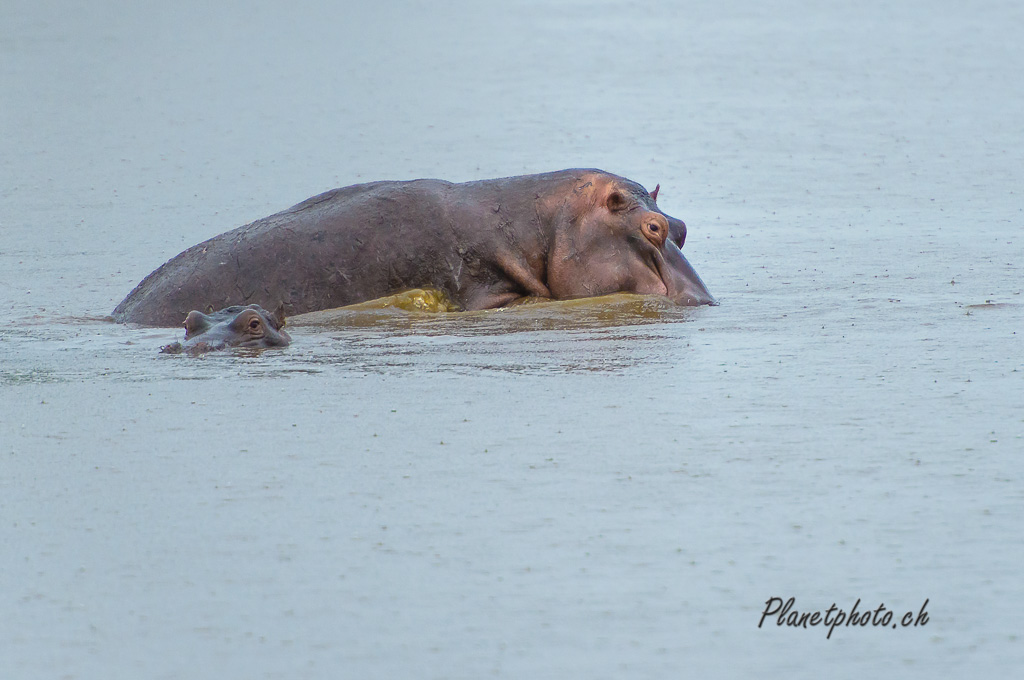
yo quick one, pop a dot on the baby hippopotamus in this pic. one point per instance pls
(250, 326)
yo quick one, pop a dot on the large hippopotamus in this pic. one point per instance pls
(250, 326)
(558, 235)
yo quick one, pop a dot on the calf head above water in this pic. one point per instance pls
(237, 326)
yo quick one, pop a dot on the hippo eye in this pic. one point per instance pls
(254, 325)
(655, 232)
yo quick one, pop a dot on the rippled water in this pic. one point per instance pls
(599, 488)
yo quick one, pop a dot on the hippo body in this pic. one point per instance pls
(237, 326)
(559, 235)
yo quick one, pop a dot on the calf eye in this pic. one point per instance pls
(254, 324)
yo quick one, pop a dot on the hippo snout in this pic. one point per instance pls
(684, 285)
(696, 299)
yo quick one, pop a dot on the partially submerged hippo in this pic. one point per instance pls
(559, 235)
(249, 326)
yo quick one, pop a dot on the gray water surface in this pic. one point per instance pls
(598, 489)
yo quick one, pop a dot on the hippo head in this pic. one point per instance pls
(618, 241)
(250, 326)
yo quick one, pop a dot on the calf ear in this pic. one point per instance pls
(278, 316)
(654, 194)
(196, 322)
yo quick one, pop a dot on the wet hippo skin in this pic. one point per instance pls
(249, 326)
(559, 235)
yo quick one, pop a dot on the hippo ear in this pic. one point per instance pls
(654, 194)
(195, 323)
(616, 201)
(278, 316)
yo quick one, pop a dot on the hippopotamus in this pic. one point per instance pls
(484, 244)
(237, 326)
